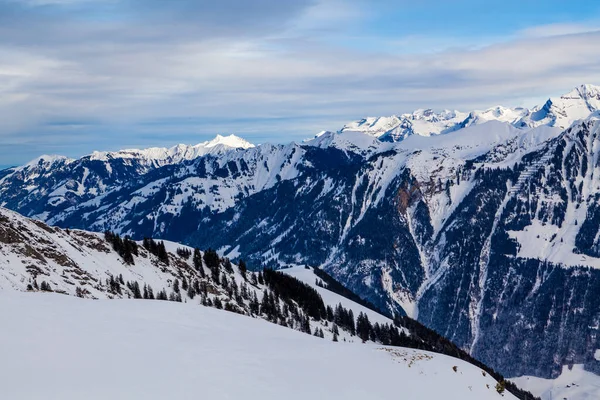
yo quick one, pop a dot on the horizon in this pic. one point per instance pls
(217, 135)
(89, 75)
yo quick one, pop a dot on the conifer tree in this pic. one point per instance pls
(243, 268)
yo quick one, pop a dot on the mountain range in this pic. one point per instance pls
(484, 226)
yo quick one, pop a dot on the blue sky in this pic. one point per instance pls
(84, 75)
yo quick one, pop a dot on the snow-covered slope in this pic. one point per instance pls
(563, 111)
(125, 349)
(199, 346)
(332, 299)
(558, 112)
(71, 262)
(575, 383)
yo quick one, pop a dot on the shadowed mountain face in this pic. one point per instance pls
(489, 234)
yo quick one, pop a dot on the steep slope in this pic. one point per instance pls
(203, 351)
(524, 278)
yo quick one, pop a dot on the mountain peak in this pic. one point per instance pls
(585, 91)
(229, 141)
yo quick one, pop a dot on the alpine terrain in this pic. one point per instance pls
(484, 226)
(149, 348)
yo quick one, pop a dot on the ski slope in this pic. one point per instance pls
(62, 347)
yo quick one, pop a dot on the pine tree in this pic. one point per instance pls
(150, 293)
(218, 303)
(198, 262)
(162, 253)
(135, 287)
(227, 265)
(243, 268)
(363, 327)
(191, 292)
(260, 278)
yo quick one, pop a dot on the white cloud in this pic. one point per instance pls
(136, 82)
(563, 29)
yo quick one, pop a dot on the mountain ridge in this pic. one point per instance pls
(561, 112)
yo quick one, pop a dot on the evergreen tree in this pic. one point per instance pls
(243, 268)
(363, 327)
(218, 303)
(150, 293)
(136, 290)
(198, 262)
(227, 265)
(162, 253)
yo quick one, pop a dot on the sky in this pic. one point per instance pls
(84, 75)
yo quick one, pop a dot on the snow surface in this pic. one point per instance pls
(62, 347)
(333, 299)
(572, 384)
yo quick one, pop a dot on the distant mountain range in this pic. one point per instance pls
(483, 225)
(558, 112)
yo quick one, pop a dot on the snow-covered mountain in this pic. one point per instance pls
(160, 350)
(40, 259)
(158, 156)
(558, 112)
(486, 233)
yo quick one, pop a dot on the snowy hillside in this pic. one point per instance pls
(40, 259)
(161, 350)
(332, 299)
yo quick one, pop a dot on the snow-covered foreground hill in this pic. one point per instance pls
(74, 348)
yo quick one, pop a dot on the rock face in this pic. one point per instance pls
(488, 234)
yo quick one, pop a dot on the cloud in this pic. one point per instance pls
(84, 77)
(563, 29)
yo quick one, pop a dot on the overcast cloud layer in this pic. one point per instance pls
(80, 75)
